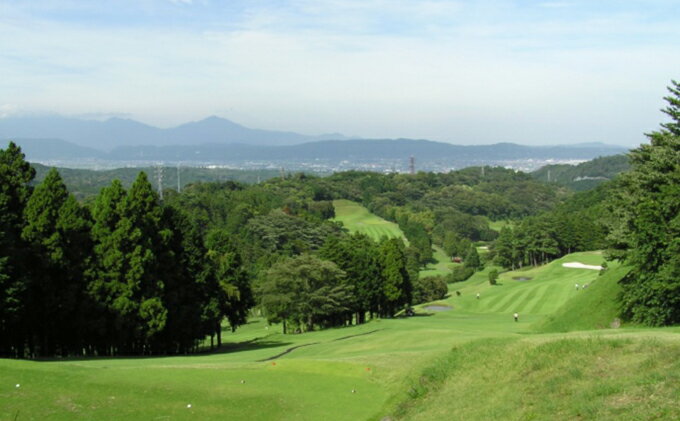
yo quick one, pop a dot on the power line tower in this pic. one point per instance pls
(412, 164)
(159, 178)
(179, 184)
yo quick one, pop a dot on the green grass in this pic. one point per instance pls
(357, 218)
(594, 309)
(471, 362)
(498, 225)
(572, 378)
(441, 266)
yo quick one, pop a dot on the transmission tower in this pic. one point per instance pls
(159, 178)
(412, 164)
(179, 184)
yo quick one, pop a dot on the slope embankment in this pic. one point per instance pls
(544, 377)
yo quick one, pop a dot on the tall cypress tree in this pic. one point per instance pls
(107, 285)
(184, 270)
(145, 239)
(15, 176)
(58, 233)
(129, 240)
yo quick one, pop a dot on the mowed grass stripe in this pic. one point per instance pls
(549, 299)
(529, 297)
(552, 299)
(511, 300)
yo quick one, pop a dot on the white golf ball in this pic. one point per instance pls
(18, 385)
(189, 406)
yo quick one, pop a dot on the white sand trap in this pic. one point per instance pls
(578, 265)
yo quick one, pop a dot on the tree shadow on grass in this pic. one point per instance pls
(418, 314)
(225, 348)
(252, 345)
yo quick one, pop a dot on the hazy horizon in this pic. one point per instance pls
(478, 72)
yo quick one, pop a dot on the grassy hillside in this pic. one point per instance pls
(571, 378)
(595, 308)
(357, 218)
(531, 291)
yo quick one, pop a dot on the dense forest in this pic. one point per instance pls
(127, 272)
(86, 184)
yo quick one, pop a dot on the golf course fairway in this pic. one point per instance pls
(468, 360)
(357, 218)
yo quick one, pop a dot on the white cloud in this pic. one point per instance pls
(8, 110)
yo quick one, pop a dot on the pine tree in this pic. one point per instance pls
(673, 109)
(646, 228)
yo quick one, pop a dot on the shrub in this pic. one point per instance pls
(493, 276)
(459, 274)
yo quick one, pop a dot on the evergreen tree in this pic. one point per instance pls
(646, 231)
(58, 233)
(183, 268)
(472, 259)
(107, 284)
(356, 256)
(396, 291)
(129, 243)
(503, 249)
(672, 110)
(15, 176)
(146, 239)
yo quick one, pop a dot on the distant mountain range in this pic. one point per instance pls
(362, 150)
(218, 141)
(115, 132)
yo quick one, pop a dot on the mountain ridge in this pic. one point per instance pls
(114, 132)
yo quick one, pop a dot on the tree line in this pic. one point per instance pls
(351, 279)
(125, 275)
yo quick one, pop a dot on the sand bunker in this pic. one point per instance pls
(578, 265)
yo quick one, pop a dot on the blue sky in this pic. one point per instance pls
(466, 72)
